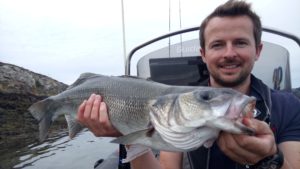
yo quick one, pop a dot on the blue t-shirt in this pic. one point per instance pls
(285, 116)
(285, 123)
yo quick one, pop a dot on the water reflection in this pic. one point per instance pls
(81, 152)
(20, 147)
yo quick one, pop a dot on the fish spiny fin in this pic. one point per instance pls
(73, 126)
(136, 77)
(82, 78)
(130, 76)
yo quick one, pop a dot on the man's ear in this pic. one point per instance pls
(258, 51)
(202, 54)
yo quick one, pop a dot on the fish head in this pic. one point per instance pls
(216, 102)
(193, 109)
(180, 118)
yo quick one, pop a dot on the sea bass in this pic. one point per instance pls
(163, 117)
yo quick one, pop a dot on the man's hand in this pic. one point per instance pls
(92, 113)
(246, 149)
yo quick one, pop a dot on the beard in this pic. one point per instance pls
(230, 84)
(236, 80)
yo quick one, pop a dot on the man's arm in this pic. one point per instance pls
(145, 161)
(170, 160)
(167, 160)
(291, 151)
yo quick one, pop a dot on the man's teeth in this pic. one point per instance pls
(230, 66)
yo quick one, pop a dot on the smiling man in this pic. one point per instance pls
(230, 51)
(230, 39)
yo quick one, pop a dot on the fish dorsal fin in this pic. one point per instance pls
(129, 76)
(136, 77)
(82, 78)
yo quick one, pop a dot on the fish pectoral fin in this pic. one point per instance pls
(209, 142)
(230, 125)
(134, 138)
(73, 126)
(148, 137)
(135, 151)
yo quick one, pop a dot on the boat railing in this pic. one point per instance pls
(168, 35)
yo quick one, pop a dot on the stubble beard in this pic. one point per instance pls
(221, 81)
(240, 78)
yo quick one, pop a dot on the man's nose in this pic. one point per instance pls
(230, 51)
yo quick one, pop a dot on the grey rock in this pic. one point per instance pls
(20, 88)
(18, 80)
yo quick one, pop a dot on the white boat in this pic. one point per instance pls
(181, 64)
(273, 67)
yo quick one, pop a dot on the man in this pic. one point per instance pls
(230, 45)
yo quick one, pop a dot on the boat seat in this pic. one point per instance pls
(188, 71)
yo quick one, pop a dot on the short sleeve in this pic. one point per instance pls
(285, 117)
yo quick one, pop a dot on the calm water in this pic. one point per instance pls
(21, 149)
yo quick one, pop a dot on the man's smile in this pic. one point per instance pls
(230, 67)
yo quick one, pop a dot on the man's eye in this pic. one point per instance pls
(216, 45)
(241, 44)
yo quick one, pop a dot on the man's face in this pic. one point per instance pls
(230, 50)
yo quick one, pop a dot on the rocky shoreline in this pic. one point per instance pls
(19, 88)
(18, 80)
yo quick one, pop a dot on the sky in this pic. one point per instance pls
(64, 38)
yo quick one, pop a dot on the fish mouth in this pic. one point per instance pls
(249, 108)
(241, 107)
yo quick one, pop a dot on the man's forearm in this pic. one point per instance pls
(291, 151)
(145, 161)
(286, 165)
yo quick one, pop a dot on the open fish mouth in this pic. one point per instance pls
(241, 107)
(249, 109)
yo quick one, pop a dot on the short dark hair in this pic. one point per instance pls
(233, 8)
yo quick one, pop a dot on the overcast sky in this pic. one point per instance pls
(64, 38)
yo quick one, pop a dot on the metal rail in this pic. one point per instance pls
(128, 60)
(265, 29)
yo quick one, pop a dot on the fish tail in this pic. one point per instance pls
(42, 112)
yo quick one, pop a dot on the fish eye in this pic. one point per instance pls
(206, 96)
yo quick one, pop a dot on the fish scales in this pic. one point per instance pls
(131, 95)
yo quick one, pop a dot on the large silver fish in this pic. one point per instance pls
(164, 117)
